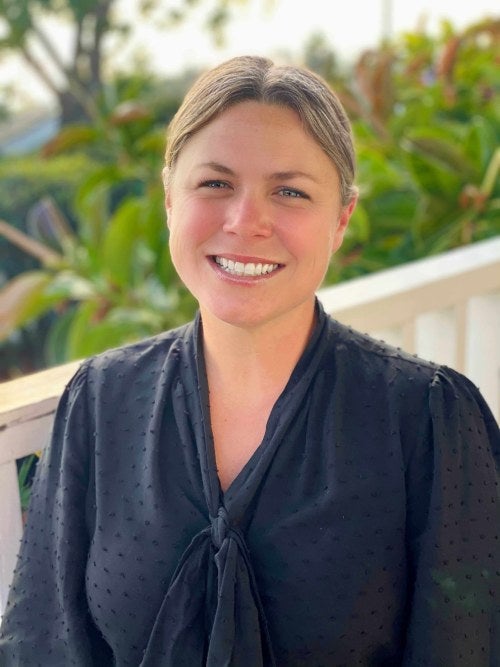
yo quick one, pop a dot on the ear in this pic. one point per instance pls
(342, 223)
(168, 194)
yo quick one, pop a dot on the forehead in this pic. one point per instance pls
(248, 115)
(251, 128)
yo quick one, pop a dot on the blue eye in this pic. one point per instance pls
(216, 185)
(293, 194)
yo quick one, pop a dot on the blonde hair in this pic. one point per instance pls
(258, 79)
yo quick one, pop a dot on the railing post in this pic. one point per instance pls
(482, 362)
(10, 526)
(437, 337)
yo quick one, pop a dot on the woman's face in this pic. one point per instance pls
(254, 214)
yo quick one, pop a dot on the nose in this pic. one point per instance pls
(248, 216)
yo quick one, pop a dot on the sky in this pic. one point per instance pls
(349, 26)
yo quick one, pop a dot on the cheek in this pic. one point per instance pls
(192, 220)
(310, 241)
(189, 231)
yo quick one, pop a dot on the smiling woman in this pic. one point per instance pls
(262, 486)
(253, 189)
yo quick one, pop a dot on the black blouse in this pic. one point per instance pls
(364, 530)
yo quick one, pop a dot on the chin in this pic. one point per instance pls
(247, 313)
(235, 317)
(254, 313)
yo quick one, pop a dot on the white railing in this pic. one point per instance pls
(446, 308)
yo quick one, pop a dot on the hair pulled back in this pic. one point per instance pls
(258, 79)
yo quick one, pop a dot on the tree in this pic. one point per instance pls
(77, 84)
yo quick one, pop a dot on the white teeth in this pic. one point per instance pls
(249, 269)
(240, 269)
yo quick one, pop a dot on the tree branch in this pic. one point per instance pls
(73, 82)
(39, 70)
(34, 248)
(47, 45)
(100, 29)
(78, 46)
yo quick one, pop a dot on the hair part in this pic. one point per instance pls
(254, 78)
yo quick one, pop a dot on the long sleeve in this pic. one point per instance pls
(455, 610)
(46, 620)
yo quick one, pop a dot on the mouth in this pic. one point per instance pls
(249, 269)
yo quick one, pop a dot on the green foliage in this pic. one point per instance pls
(99, 207)
(108, 276)
(111, 283)
(26, 180)
(27, 467)
(426, 116)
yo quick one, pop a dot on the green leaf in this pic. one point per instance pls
(27, 465)
(432, 177)
(442, 149)
(135, 319)
(480, 142)
(358, 230)
(68, 285)
(377, 174)
(23, 299)
(118, 245)
(56, 343)
(70, 137)
(91, 333)
(155, 220)
(152, 143)
(392, 210)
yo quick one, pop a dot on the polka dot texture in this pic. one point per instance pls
(364, 531)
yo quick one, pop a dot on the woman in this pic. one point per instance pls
(262, 486)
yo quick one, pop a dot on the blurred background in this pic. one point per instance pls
(88, 87)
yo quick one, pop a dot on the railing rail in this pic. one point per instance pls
(446, 308)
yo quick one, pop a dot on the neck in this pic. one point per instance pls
(255, 359)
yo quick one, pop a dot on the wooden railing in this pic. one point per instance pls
(446, 308)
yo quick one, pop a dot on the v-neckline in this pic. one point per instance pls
(233, 494)
(209, 443)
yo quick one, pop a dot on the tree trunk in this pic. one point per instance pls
(71, 109)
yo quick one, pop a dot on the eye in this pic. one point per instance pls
(292, 193)
(214, 184)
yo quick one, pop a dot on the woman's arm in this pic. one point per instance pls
(455, 611)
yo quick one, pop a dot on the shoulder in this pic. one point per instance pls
(146, 352)
(375, 359)
(413, 384)
(137, 364)
(456, 404)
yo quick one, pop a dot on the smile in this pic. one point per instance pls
(240, 269)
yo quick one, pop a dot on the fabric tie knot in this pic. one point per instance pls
(220, 527)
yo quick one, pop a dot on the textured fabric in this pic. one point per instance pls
(364, 531)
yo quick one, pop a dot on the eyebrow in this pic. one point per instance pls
(216, 166)
(275, 176)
